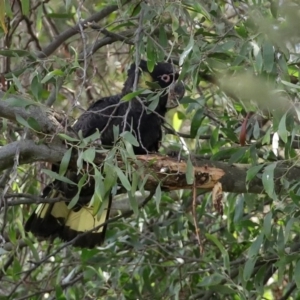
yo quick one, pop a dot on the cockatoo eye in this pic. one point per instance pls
(166, 78)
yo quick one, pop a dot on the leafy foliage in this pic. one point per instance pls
(237, 59)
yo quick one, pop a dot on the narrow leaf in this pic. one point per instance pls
(124, 180)
(186, 51)
(89, 154)
(2, 16)
(297, 274)
(130, 96)
(34, 124)
(189, 172)
(128, 136)
(282, 131)
(268, 180)
(221, 248)
(158, 197)
(57, 176)
(251, 172)
(255, 247)
(268, 56)
(150, 54)
(267, 224)
(51, 75)
(65, 162)
(248, 269)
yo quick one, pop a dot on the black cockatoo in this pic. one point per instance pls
(56, 220)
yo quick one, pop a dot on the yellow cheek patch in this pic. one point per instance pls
(144, 78)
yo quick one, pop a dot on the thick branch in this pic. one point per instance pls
(48, 121)
(170, 173)
(29, 152)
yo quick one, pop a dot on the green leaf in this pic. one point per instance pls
(267, 137)
(32, 248)
(258, 61)
(14, 53)
(163, 39)
(91, 138)
(189, 175)
(18, 84)
(223, 289)
(68, 138)
(280, 242)
(17, 102)
(282, 131)
(132, 95)
(158, 197)
(74, 200)
(65, 162)
(249, 266)
(297, 274)
(129, 149)
(251, 172)
(89, 154)
(52, 74)
(97, 201)
(267, 224)
(116, 132)
(25, 7)
(175, 25)
(288, 228)
(213, 141)
(136, 10)
(222, 154)
(211, 280)
(268, 180)
(151, 57)
(22, 121)
(291, 85)
(33, 124)
(133, 203)
(186, 51)
(103, 205)
(124, 180)
(237, 156)
(129, 137)
(58, 177)
(79, 162)
(239, 208)
(36, 87)
(2, 16)
(268, 56)
(255, 246)
(221, 248)
(196, 122)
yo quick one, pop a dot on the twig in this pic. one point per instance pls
(75, 30)
(85, 54)
(289, 292)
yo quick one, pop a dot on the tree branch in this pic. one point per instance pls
(170, 173)
(75, 29)
(29, 152)
(48, 121)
